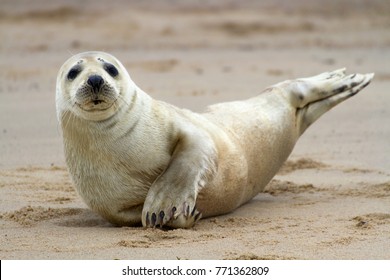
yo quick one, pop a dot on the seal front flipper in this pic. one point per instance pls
(171, 199)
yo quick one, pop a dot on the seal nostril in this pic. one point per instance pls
(96, 82)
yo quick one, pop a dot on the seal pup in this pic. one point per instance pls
(137, 160)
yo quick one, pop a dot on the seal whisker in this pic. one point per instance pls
(120, 97)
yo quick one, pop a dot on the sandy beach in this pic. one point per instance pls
(331, 200)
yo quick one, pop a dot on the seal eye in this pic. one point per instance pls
(111, 69)
(74, 72)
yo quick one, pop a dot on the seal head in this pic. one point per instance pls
(92, 86)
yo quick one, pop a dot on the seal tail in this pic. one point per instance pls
(316, 95)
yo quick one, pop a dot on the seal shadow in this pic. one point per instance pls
(83, 219)
(86, 218)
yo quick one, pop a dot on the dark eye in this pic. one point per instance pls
(73, 73)
(111, 69)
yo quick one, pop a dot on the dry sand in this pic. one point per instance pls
(330, 201)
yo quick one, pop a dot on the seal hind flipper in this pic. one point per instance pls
(316, 95)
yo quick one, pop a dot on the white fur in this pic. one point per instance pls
(140, 160)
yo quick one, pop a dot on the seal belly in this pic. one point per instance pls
(261, 142)
(113, 179)
(115, 192)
